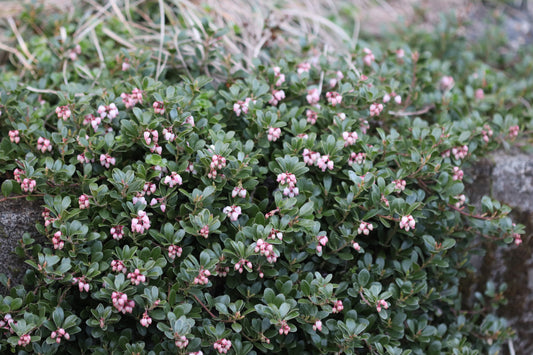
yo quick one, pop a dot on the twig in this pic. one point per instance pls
(412, 113)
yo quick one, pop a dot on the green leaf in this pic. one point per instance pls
(7, 187)
(58, 316)
(363, 277)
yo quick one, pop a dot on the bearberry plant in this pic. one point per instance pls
(313, 205)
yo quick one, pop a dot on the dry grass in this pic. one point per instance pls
(175, 32)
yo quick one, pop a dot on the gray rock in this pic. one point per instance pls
(17, 217)
(508, 177)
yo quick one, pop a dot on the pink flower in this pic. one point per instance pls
(407, 222)
(121, 303)
(201, 279)
(141, 223)
(446, 83)
(382, 303)
(461, 199)
(146, 320)
(303, 67)
(311, 116)
(82, 285)
(136, 277)
(173, 179)
(274, 233)
(118, 266)
(313, 96)
(400, 53)
(399, 185)
(310, 157)
(356, 245)
(132, 99)
(325, 163)
(117, 232)
(284, 327)
(318, 325)
(63, 112)
(239, 266)
(513, 131)
(58, 334)
(349, 138)
(274, 134)
(457, 174)
(14, 136)
(174, 251)
(356, 158)
(181, 341)
(24, 340)
(365, 228)
(107, 160)
(368, 58)
(204, 231)
(56, 240)
(222, 346)
(83, 201)
(28, 185)
(337, 306)
(233, 212)
(241, 106)
(125, 65)
(168, 134)
(375, 109)
(334, 98)
(110, 111)
(238, 191)
(267, 250)
(43, 145)
(159, 107)
(189, 120)
(279, 76)
(277, 96)
(460, 152)
(479, 94)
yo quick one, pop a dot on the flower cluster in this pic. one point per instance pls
(151, 135)
(14, 136)
(368, 58)
(407, 223)
(381, 303)
(107, 160)
(233, 212)
(283, 327)
(349, 138)
(82, 284)
(337, 306)
(201, 279)
(322, 241)
(317, 325)
(222, 346)
(457, 174)
(277, 96)
(289, 181)
(44, 145)
(204, 231)
(375, 109)
(310, 157)
(146, 320)
(334, 98)
(513, 131)
(217, 162)
(110, 111)
(57, 242)
(267, 250)
(239, 266)
(173, 179)
(238, 191)
(273, 134)
(132, 99)
(181, 341)
(356, 158)
(399, 185)
(174, 251)
(141, 223)
(159, 107)
(324, 163)
(279, 76)
(24, 340)
(241, 106)
(63, 112)
(121, 303)
(365, 228)
(275, 233)
(460, 152)
(28, 185)
(136, 277)
(397, 98)
(313, 96)
(117, 232)
(118, 266)
(83, 201)
(312, 116)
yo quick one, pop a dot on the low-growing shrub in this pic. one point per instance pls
(313, 206)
